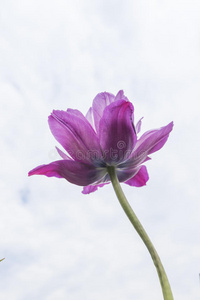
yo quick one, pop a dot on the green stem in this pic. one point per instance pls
(166, 289)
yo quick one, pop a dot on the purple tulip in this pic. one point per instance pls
(106, 136)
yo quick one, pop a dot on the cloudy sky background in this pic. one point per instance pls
(58, 243)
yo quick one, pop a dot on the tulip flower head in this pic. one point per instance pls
(105, 137)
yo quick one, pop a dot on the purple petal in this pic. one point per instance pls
(62, 154)
(92, 188)
(154, 140)
(120, 96)
(126, 173)
(138, 126)
(72, 130)
(89, 116)
(99, 103)
(116, 132)
(149, 142)
(140, 178)
(73, 171)
(76, 112)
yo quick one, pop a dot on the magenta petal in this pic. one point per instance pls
(89, 116)
(72, 130)
(125, 174)
(76, 112)
(116, 132)
(149, 142)
(73, 171)
(138, 126)
(89, 189)
(153, 140)
(140, 178)
(62, 154)
(120, 96)
(99, 103)
(92, 188)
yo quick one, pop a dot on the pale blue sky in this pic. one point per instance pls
(60, 244)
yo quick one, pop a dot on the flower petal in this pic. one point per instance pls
(138, 126)
(89, 116)
(120, 96)
(72, 130)
(116, 133)
(99, 103)
(154, 140)
(92, 188)
(76, 112)
(149, 142)
(140, 178)
(62, 154)
(73, 171)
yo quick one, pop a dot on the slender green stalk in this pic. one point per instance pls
(166, 289)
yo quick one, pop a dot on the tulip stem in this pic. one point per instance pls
(166, 289)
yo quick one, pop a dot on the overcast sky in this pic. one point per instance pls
(58, 243)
